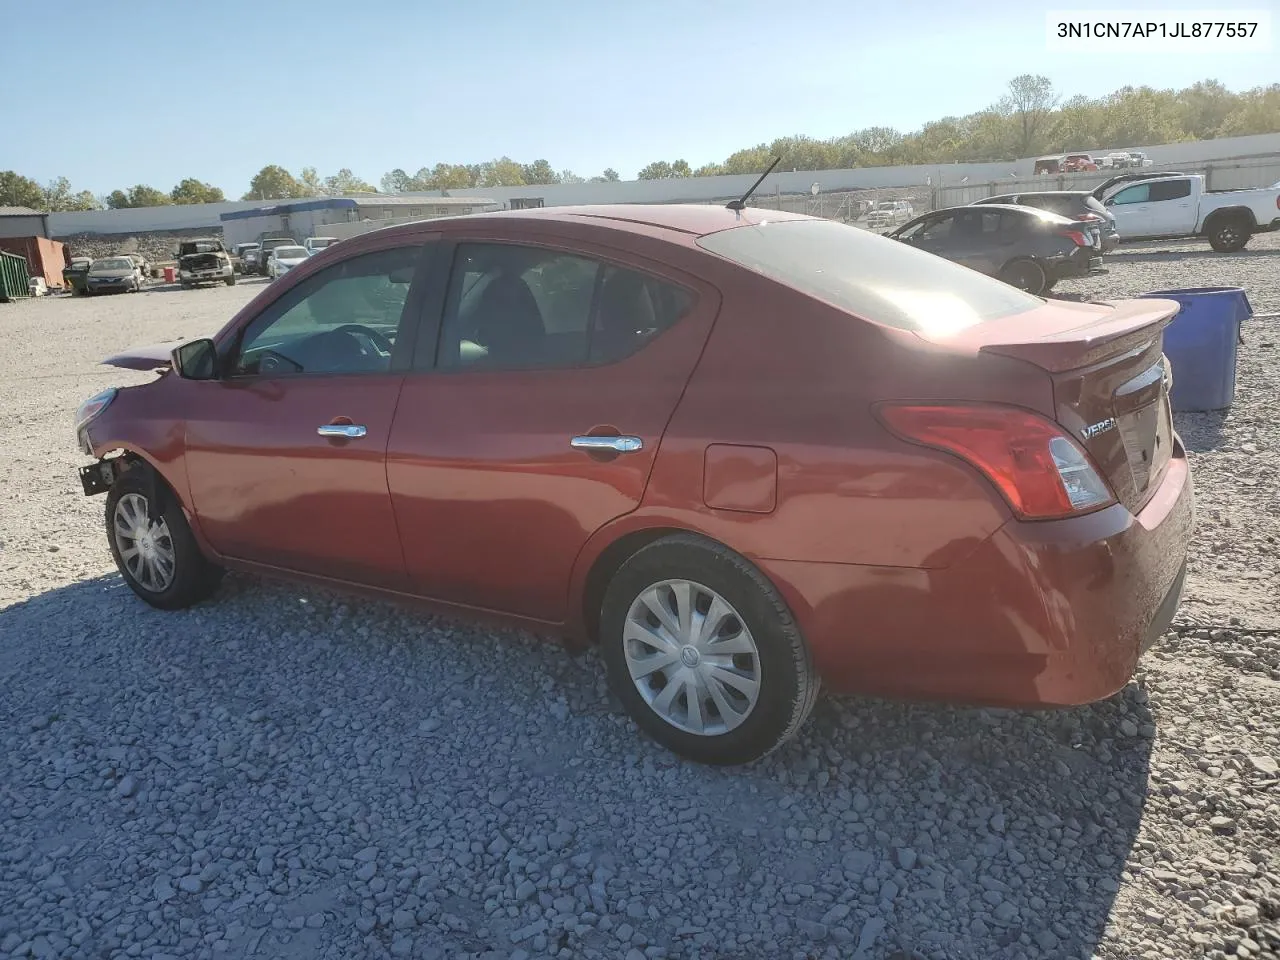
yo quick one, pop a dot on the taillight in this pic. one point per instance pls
(1087, 216)
(1042, 472)
(1076, 236)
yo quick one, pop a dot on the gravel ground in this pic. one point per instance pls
(287, 773)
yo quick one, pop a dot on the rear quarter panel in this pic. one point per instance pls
(785, 372)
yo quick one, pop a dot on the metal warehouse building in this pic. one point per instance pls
(340, 217)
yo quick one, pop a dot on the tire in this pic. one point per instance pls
(169, 547)
(1026, 275)
(230, 281)
(187, 284)
(1050, 284)
(1229, 234)
(786, 679)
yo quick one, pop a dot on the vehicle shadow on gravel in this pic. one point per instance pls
(510, 790)
(1174, 256)
(1201, 432)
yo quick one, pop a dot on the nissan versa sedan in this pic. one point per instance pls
(1028, 248)
(742, 451)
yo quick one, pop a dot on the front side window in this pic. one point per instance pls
(344, 319)
(523, 307)
(1139, 194)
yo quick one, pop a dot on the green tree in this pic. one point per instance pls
(137, 196)
(1029, 103)
(19, 191)
(343, 182)
(192, 190)
(503, 172)
(395, 181)
(450, 176)
(274, 182)
(310, 184)
(539, 171)
(568, 176)
(658, 170)
(59, 197)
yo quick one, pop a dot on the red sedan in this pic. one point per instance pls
(739, 450)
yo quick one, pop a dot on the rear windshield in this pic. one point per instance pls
(289, 253)
(873, 277)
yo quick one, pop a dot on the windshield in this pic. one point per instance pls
(113, 263)
(873, 277)
(201, 246)
(319, 242)
(289, 253)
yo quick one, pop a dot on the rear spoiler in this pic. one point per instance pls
(1131, 325)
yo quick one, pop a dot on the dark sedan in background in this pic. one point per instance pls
(1078, 205)
(1027, 248)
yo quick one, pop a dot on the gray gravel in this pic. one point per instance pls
(286, 773)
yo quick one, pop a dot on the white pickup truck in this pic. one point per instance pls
(1172, 207)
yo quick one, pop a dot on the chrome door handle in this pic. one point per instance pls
(608, 444)
(348, 431)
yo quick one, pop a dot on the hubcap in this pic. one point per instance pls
(146, 548)
(691, 657)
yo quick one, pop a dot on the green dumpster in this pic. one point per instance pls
(15, 282)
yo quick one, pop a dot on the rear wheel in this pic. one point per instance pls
(1229, 234)
(158, 558)
(1025, 275)
(704, 653)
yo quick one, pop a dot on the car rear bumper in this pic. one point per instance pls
(1079, 265)
(1040, 614)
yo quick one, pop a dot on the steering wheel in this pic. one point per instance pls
(359, 329)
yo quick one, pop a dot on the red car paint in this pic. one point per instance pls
(904, 567)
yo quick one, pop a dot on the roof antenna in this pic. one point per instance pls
(741, 202)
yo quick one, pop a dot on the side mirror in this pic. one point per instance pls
(196, 360)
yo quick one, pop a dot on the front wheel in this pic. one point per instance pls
(1026, 275)
(703, 652)
(159, 557)
(231, 280)
(1229, 234)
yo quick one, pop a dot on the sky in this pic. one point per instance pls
(153, 91)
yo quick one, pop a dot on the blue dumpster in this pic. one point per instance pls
(1201, 342)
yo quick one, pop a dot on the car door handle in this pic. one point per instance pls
(349, 431)
(608, 444)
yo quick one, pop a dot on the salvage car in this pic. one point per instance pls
(1026, 247)
(113, 275)
(741, 450)
(1078, 205)
(243, 251)
(75, 275)
(282, 259)
(204, 260)
(315, 244)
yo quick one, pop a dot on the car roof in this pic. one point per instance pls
(1040, 193)
(687, 219)
(1012, 208)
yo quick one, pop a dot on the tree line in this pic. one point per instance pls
(1030, 118)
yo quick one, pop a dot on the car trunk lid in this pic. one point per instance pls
(1110, 380)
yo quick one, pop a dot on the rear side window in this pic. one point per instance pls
(1169, 189)
(870, 276)
(521, 307)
